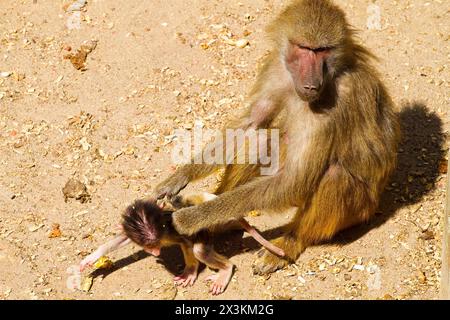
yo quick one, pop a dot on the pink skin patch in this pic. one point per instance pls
(260, 112)
(153, 251)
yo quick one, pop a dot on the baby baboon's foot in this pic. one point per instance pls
(187, 278)
(267, 263)
(220, 281)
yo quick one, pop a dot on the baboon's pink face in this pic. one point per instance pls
(308, 68)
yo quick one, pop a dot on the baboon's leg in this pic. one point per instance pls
(340, 202)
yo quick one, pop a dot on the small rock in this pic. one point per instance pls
(7, 293)
(427, 235)
(242, 43)
(77, 190)
(78, 59)
(277, 296)
(103, 263)
(56, 232)
(254, 213)
(84, 144)
(76, 6)
(358, 267)
(87, 284)
(5, 74)
(35, 228)
(168, 291)
(421, 277)
(6, 194)
(19, 76)
(336, 270)
(301, 279)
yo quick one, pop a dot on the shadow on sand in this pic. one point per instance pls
(421, 150)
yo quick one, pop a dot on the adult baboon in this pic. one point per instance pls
(342, 136)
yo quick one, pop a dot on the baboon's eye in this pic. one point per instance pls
(322, 49)
(304, 47)
(315, 50)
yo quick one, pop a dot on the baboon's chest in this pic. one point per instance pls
(302, 132)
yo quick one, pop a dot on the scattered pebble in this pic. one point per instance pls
(5, 74)
(35, 228)
(75, 189)
(358, 267)
(242, 43)
(75, 6)
(86, 285)
(78, 59)
(103, 263)
(55, 232)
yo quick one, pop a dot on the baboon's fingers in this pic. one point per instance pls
(171, 187)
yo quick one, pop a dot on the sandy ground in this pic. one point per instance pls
(161, 65)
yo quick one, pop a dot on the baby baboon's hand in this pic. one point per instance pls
(171, 186)
(89, 261)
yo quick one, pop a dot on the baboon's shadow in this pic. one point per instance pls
(421, 150)
(119, 264)
(228, 244)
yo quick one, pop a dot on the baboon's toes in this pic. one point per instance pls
(267, 263)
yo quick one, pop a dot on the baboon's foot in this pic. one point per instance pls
(268, 262)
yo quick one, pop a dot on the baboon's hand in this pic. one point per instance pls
(190, 220)
(171, 186)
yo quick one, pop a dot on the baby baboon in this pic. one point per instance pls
(149, 226)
